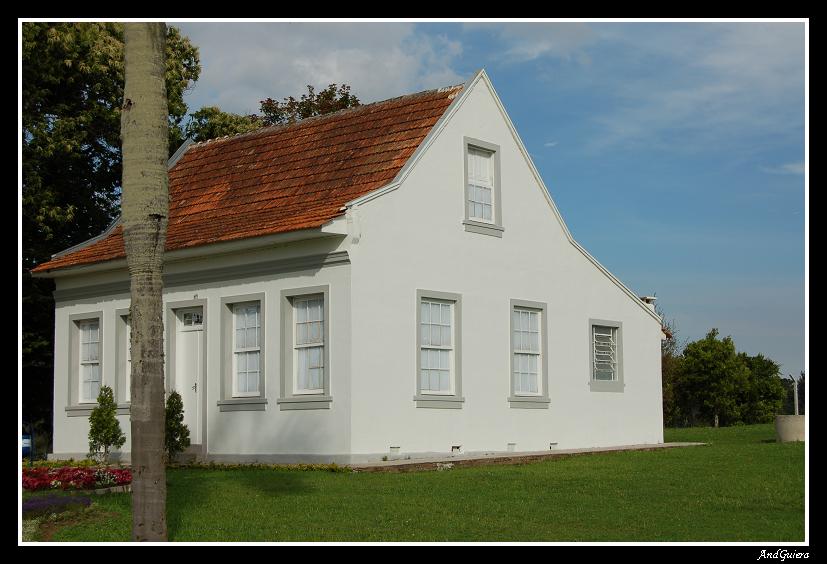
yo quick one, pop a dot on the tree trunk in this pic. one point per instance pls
(144, 210)
(716, 420)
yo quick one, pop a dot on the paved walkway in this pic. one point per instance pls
(481, 458)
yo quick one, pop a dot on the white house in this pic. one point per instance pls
(392, 278)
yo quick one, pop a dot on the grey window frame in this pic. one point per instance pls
(440, 401)
(618, 384)
(543, 400)
(121, 346)
(495, 229)
(287, 399)
(227, 401)
(75, 408)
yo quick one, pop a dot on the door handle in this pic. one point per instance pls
(195, 387)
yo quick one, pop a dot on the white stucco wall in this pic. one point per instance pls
(413, 238)
(408, 239)
(317, 434)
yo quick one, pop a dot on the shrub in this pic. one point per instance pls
(104, 429)
(176, 435)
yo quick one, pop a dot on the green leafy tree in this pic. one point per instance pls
(177, 435)
(331, 99)
(104, 429)
(72, 91)
(210, 122)
(713, 377)
(763, 397)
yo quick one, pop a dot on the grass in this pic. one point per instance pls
(741, 487)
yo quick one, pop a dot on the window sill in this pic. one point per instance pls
(85, 409)
(529, 402)
(436, 401)
(81, 410)
(483, 228)
(242, 404)
(607, 386)
(305, 402)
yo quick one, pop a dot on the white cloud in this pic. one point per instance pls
(243, 63)
(529, 41)
(550, 144)
(670, 85)
(707, 83)
(789, 168)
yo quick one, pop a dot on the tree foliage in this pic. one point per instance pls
(708, 382)
(763, 397)
(177, 435)
(72, 95)
(211, 122)
(331, 99)
(72, 79)
(104, 428)
(713, 376)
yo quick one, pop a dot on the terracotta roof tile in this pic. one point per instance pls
(283, 178)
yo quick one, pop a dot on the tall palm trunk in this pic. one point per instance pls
(144, 208)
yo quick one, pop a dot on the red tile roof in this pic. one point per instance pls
(283, 178)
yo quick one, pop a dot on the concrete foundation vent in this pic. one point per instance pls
(552, 446)
(394, 450)
(456, 449)
(511, 447)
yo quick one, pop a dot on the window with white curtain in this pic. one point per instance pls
(90, 374)
(604, 353)
(526, 346)
(436, 346)
(480, 185)
(246, 349)
(128, 375)
(308, 344)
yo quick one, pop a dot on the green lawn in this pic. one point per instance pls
(741, 487)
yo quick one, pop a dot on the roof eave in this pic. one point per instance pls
(200, 251)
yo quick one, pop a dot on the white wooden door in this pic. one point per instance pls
(189, 367)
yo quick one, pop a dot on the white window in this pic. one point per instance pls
(128, 374)
(192, 318)
(308, 345)
(527, 364)
(480, 185)
(246, 349)
(436, 346)
(604, 353)
(90, 375)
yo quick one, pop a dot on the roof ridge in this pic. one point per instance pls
(283, 126)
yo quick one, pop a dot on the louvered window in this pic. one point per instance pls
(604, 357)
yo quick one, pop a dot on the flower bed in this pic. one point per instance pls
(74, 478)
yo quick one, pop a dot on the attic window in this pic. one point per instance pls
(482, 188)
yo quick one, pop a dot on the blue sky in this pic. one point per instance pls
(674, 151)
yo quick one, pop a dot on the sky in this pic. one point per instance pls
(675, 151)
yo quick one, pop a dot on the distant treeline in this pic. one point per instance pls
(709, 383)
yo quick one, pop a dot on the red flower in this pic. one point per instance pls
(68, 477)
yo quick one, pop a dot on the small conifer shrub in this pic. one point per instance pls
(104, 428)
(177, 435)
